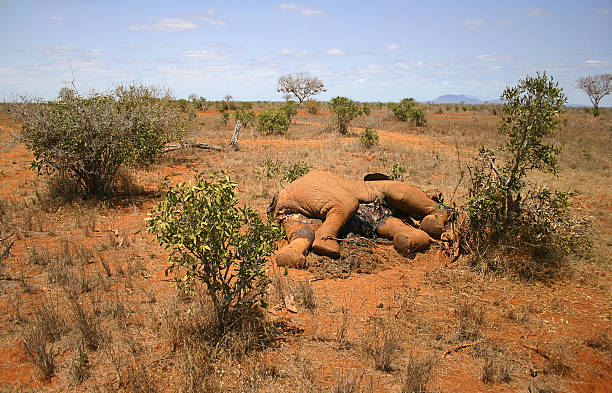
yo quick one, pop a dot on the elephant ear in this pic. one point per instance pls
(375, 176)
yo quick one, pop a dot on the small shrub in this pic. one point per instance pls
(398, 171)
(38, 350)
(89, 325)
(365, 108)
(245, 114)
(209, 237)
(296, 171)
(223, 108)
(273, 121)
(312, 106)
(345, 110)
(382, 343)
(79, 369)
(408, 110)
(88, 140)
(417, 374)
(368, 138)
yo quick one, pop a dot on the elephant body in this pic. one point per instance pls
(315, 207)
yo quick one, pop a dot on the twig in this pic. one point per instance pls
(538, 351)
(458, 347)
(7, 251)
(184, 145)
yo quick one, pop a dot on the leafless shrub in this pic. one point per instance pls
(89, 326)
(341, 331)
(600, 340)
(196, 367)
(496, 368)
(546, 385)
(305, 295)
(471, 320)
(417, 374)
(382, 342)
(38, 350)
(352, 382)
(49, 322)
(38, 255)
(558, 360)
(79, 369)
(254, 377)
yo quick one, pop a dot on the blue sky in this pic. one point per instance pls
(375, 51)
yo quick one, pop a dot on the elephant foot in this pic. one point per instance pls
(290, 258)
(407, 243)
(433, 224)
(326, 247)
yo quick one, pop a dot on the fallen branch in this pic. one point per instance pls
(7, 250)
(186, 145)
(538, 351)
(458, 347)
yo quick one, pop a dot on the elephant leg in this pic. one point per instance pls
(300, 233)
(325, 242)
(434, 223)
(406, 239)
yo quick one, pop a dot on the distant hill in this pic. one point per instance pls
(459, 98)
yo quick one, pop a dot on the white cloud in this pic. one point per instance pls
(302, 9)
(493, 58)
(333, 51)
(597, 63)
(361, 80)
(166, 24)
(203, 55)
(473, 22)
(391, 47)
(95, 52)
(291, 52)
(211, 11)
(57, 19)
(604, 11)
(215, 22)
(536, 12)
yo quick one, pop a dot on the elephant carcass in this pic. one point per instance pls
(315, 207)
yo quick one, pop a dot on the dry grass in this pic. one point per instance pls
(417, 374)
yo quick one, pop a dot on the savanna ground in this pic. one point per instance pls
(84, 298)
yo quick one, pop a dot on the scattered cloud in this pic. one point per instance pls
(203, 55)
(597, 63)
(294, 53)
(211, 11)
(361, 80)
(493, 58)
(302, 9)
(391, 47)
(172, 25)
(212, 21)
(57, 19)
(473, 22)
(96, 52)
(536, 12)
(604, 11)
(333, 51)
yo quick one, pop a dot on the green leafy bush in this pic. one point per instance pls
(345, 110)
(273, 121)
(368, 138)
(312, 106)
(87, 140)
(398, 171)
(365, 108)
(290, 109)
(296, 170)
(505, 211)
(408, 110)
(245, 114)
(223, 108)
(213, 241)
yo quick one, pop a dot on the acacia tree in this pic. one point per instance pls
(596, 87)
(301, 84)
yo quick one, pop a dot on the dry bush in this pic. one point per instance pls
(38, 255)
(382, 342)
(558, 360)
(496, 368)
(196, 368)
(417, 374)
(305, 295)
(38, 348)
(89, 325)
(471, 320)
(80, 368)
(352, 382)
(342, 329)
(599, 340)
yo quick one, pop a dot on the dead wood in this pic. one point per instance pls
(234, 141)
(538, 351)
(186, 145)
(458, 347)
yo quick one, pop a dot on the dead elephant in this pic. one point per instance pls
(316, 207)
